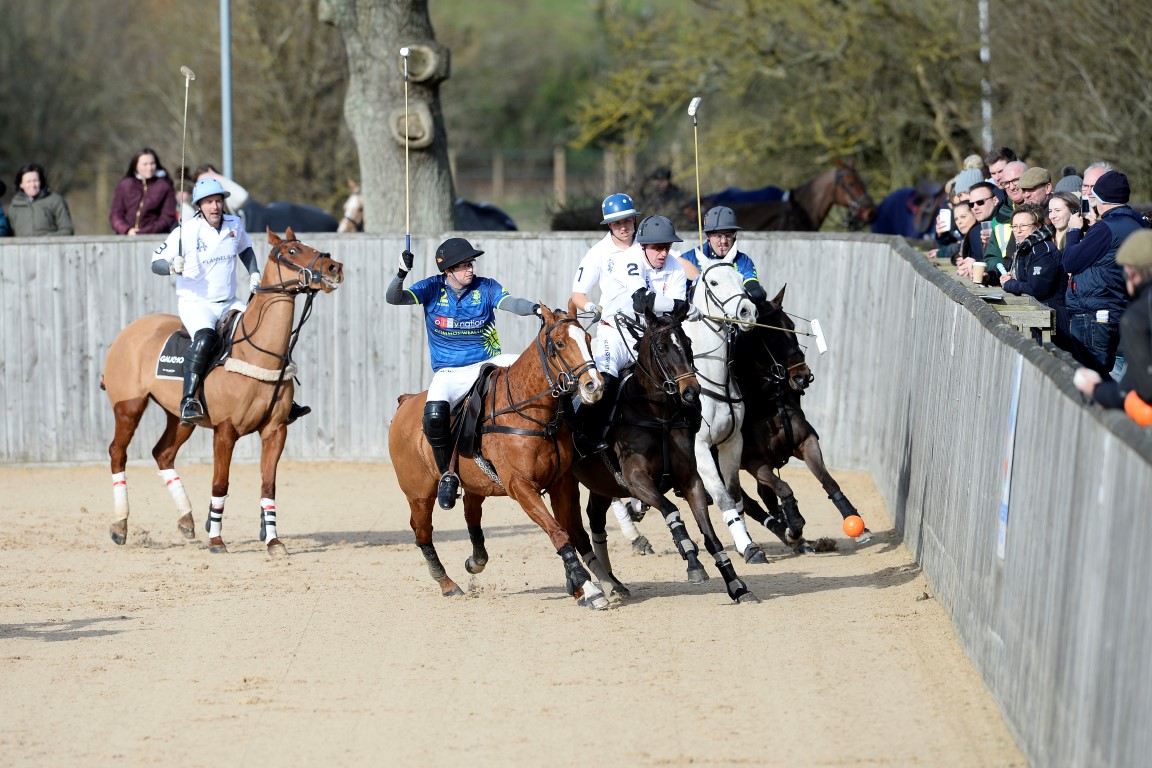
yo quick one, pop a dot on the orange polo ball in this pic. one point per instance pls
(853, 525)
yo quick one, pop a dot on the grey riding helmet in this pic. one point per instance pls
(720, 219)
(657, 229)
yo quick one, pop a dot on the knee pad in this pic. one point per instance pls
(437, 420)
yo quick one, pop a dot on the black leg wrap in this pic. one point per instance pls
(684, 544)
(573, 568)
(434, 566)
(843, 505)
(733, 583)
(792, 515)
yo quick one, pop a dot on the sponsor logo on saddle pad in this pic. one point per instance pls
(171, 362)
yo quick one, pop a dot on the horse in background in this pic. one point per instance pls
(800, 209)
(467, 215)
(279, 216)
(910, 212)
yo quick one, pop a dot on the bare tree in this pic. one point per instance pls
(374, 31)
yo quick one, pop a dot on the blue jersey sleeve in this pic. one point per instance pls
(745, 266)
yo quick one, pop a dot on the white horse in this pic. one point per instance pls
(719, 295)
(352, 219)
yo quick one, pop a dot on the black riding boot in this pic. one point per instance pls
(195, 364)
(592, 421)
(438, 430)
(296, 411)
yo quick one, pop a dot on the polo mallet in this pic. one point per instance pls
(692, 107)
(189, 76)
(816, 333)
(407, 195)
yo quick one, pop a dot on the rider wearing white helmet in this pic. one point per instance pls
(202, 253)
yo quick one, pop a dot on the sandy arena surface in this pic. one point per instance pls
(158, 653)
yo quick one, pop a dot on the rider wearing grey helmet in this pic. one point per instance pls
(720, 226)
(645, 278)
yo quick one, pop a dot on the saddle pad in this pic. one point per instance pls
(170, 364)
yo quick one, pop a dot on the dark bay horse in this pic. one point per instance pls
(525, 450)
(653, 439)
(251, 393)
(772, 371)
(280, 215)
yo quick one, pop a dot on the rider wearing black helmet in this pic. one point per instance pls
(720, 227)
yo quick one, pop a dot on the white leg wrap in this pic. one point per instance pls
(627, 527)
(216, 516)
(176, 489)
(268, 512)
(120, 494)
(739, 531)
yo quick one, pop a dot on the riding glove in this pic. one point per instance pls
(407, 259)
(177, 264)
(253, 281)
(755, 291)
(536, 311)
(643, 299)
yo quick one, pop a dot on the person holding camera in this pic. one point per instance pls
(1096, 296)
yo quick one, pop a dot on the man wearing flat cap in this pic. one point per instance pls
(1096, 295)
(1036, 184)
(1134, 391)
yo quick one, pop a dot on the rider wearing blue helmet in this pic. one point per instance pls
(202, 253)
(620, 215)
(720, 227)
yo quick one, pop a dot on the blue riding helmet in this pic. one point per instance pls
(618, 206)
(207, 187)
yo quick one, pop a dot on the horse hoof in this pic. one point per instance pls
(805, 548)
(187, 526)
(474, 566)
(747, 597)
(454, 592)
(277, 549)
(119, 531)
(754, 555)
(619, 592)
(641, 546)
(697, 575)
(216, 546)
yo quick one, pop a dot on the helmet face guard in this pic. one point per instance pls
(655, 230)
(453, 251)
(618, 207)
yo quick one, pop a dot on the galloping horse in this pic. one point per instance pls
(804, 208)
(771, 369)
(719, 295)
(526, 449)
(252, 392)
(652, 437)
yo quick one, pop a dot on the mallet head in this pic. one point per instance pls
(693, 106)
(818, 333)
(405, 51)
(188, 73)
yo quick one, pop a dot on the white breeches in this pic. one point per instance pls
(197, 314)
(612, 350)
(452, 384)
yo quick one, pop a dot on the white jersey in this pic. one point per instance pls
(592, 265)
(209, 257)
(623, 275)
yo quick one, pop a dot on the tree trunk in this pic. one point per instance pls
(374, 31)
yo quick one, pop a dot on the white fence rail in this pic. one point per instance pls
(917, 389)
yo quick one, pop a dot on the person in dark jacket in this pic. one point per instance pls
(36, 210)
(1133, 392)
(1036, 269)
(1096, 296)
(4, 230)
(145, 200)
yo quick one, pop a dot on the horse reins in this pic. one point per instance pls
(306, 278)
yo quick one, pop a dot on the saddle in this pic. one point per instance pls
(170, 364)
(468, 414)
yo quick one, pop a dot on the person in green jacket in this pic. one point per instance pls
(36, 210)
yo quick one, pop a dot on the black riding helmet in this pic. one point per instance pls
(453, 251)
(657, 229)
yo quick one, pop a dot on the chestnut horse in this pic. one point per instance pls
(252, 393)
(805, 207)
(653, 437)
(771, 369)
(525, 450)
